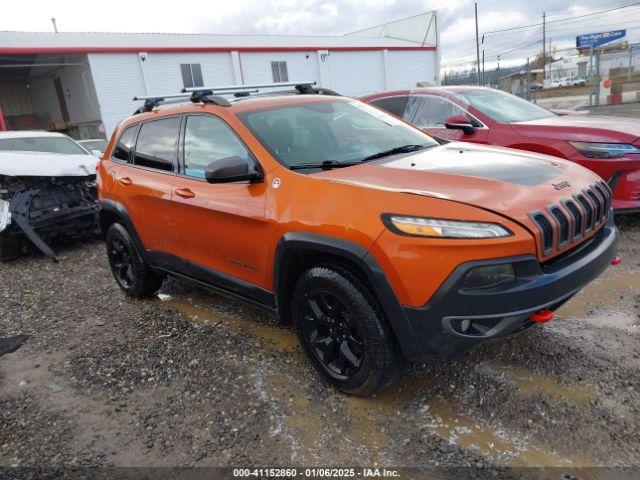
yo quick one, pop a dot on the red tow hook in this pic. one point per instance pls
(543, 316)
(616, 260)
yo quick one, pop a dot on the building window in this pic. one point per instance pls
(279, 70)
(191, 75)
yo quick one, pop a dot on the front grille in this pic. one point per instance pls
(565, 224)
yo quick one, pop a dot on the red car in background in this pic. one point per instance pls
(609, 146)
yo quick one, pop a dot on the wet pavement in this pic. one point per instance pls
(194, 379)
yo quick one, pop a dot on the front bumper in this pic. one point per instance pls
(502, 311)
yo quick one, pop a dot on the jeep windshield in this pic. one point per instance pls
(60, 145)
(504, 107)
(332, 134)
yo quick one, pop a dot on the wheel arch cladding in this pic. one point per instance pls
(297, 251)
(112, 212)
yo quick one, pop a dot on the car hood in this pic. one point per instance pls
(38, 164)
(585, 128)
(511, 183)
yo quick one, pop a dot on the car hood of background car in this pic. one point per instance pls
(38, 164)
(502, 180)
(581, 128)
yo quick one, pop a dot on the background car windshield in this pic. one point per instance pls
(504, 107)
(62, 145)
(94, 144)
(340, 131)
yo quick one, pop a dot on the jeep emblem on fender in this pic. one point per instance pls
(561, 185)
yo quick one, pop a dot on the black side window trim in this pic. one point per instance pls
(175, 160)
(181, 144)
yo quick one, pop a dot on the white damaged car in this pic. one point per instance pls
(47, 190)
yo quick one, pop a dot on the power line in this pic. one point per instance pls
(562, 19)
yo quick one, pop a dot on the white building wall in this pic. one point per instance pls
(256, 66)
(164, 69)
(120, 77)
(356, 73)
(117, 78)
(408, 67)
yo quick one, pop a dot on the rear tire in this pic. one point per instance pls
(10, 247)
(132, 273)
(343, 330)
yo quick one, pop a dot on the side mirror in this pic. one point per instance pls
(460, 122)
(96, 153)
(230, 169)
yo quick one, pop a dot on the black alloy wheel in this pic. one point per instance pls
(334, 337)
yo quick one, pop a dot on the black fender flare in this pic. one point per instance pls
(364, 260)
(116, 208)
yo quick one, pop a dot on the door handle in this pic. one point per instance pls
(185, 193)
(125, 181)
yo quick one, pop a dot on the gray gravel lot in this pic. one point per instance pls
(194, 379)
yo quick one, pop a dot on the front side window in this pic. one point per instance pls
(279, 71)
(191, 75)
(504, 107)
(426, 111)
(62, 145)
(206, 139)
(333, 131)
(395, 105)
(157, 144)
(124, 145)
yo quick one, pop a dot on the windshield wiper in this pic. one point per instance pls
(395, 151)
(326, 165)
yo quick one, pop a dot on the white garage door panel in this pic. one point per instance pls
(407, 68)
(356, 73)
(256, 66)
(117, 79)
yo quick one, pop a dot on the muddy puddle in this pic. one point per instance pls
(367, 424)
(200, 310)
(530, 384)
(613, 300)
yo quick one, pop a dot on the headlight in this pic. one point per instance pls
(5, 215)
(439, 228)
(604, 150)
(488, 276)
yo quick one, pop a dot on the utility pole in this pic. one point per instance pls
(55, 27)
(477, 45)
(483, 82)
(544, 46)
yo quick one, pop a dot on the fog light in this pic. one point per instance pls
(488, 276)
(464, 325)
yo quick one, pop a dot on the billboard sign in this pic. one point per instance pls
(597, 39)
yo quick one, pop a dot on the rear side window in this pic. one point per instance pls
(207, 139)
(393, 105)
(122, 150)
(157, 144)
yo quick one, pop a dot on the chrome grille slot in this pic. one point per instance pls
(588, 209)
(606, 194)
(598, 207)
(546, 230)
(577, 218)
(563, 225)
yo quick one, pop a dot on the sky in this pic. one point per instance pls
(335, 17)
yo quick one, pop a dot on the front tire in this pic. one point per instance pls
(132, 273)
(342, 329)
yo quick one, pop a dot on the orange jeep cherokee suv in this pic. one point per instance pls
(377, 242)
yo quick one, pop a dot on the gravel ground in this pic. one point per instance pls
(193, 379)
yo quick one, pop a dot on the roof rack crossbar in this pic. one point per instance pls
(235, 88)
(196, 96)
